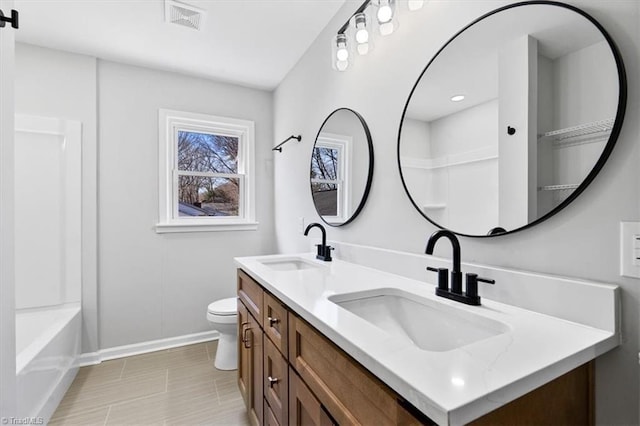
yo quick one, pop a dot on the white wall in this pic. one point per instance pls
(463, 137)
(588, 98)
(7, 299)
(52, 83)
(154, 286)
(581, 241)
(151, 286)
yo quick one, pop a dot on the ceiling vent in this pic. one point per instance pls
(183, 14)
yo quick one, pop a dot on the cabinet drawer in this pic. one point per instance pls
(251, 294)
(304, 407)
(276, 382)
(275, 322)
(350, 393)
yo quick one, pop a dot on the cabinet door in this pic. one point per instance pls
(269, 418)
(304, 408)
(276, 381)
(255, 342)
(244, 364)
(250, 353)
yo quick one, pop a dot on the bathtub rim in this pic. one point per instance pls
(34, 348)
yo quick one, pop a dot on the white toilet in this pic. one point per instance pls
(223, 316)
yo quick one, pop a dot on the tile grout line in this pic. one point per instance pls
(122, 369)
(215, 385)
(106, 419)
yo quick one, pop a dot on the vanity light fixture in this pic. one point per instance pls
(340, 52)
(457, 98)
(387, 22)
(362, 26)
(359, 28)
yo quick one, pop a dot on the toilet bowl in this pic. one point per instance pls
(223, 316)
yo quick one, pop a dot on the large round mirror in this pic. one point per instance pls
(512, 119)
(341, 167)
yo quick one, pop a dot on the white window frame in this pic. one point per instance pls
(170, 122)
(343, 144)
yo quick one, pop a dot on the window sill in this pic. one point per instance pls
(166, 228)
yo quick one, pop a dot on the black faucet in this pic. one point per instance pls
(324, 251)
(470, 297)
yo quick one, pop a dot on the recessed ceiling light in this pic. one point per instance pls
(457, 98)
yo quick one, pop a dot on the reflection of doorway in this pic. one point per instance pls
(47, 211)
(330, 172)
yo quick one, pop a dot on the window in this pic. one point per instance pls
(330, 177)
(205, 174)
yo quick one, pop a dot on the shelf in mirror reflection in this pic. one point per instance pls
(595, 131)
(435, 206)
(458, 159)
(567, 187)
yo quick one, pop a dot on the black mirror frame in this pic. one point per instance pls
(613, 137)
(367, 188)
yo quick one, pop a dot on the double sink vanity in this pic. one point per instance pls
(341, 343)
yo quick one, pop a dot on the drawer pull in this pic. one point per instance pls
(272, 321)
(245, 339)
(272, 381)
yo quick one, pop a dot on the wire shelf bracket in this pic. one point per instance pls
(602, 127)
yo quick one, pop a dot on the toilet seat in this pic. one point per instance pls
(223, 311)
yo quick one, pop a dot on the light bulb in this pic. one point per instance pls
(362, 35)
(342, 54)
(363, 48)
(386, 29)
(415, 4)
(385, 13)
(457, 98)
(342, 65)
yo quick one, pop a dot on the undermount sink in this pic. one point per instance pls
(291, 264)
(428, 324)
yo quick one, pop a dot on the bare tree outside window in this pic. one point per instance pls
(203, 161)
(325, 179)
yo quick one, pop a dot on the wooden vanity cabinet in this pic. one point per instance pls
(250, 347)
(291, 374)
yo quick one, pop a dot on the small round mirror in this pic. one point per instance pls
(512, 119)
(341, 167)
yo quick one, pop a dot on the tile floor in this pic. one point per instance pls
(177, 386)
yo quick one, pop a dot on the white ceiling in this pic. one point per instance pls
(469, 65)
(249, 42)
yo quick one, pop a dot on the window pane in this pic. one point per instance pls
(206, 152)
(324, 163)
(325, 197)
(206, 196)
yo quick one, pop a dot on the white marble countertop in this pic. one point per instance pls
(451, 387)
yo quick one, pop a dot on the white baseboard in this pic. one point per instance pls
(92, 358)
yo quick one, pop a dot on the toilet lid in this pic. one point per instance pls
(224, 307)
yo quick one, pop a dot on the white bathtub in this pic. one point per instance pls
(47, 351)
